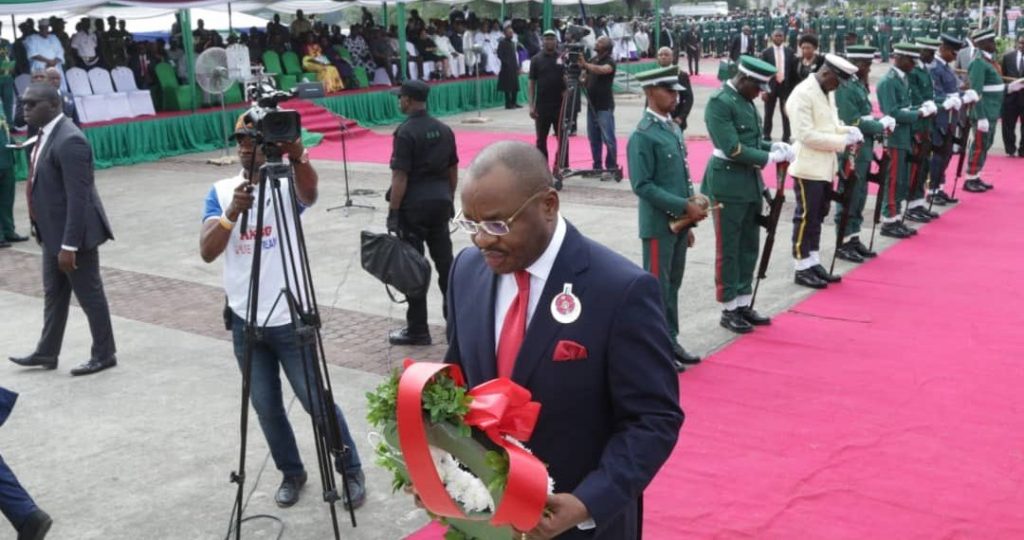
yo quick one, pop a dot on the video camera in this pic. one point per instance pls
(573, 52)
(272, 124)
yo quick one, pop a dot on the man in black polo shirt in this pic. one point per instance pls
(424, 173)
(545, 89)
(600, 74)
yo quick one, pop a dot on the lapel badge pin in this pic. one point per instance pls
(566, 307)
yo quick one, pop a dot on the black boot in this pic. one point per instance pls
(823, 274)
(732, 320)
(808, 278)
(861, 249)
(753, 317)
(895, 230)
(847, 252)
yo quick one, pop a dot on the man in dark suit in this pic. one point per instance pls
(1013, 104)
(742, 44)
(28, 520)
(779, 87)
(580, 327)
(142, 63)
(70, 224)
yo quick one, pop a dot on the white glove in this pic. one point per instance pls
(888, 123)
(952, 102)
(983, 125)
(867, 117)
(927, 109)
(854, 136)
(778, 156)
(1015, 86)
(790, 153)
(780, 146)
(970, 96)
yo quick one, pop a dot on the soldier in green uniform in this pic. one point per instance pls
(7, 232)
(842, 23)
(983, 75)
(760, 25)
(825, 35)
(921, 91)
(733, 178)
(661, 180)
(899, 28)
(860, 26)
(7, 65)
(854, 104)
(885, 30)
(893, 93)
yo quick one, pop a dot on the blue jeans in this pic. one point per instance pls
(15, 503)
(274, 350)
(601, 129)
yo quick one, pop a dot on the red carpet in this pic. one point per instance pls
(320, 120)
(888, 407)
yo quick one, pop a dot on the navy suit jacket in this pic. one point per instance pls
(608, 422)
(7, 399)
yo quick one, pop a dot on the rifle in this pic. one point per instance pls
(879, 178)
(770, 223)
(965, 131)
(847, 178)
(947, 148)
(921, 150)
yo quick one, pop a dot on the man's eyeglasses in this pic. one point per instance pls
(494, 228)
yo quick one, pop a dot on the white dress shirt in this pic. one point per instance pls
(539, 272)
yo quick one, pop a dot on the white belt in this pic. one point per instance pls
(993, 88)
(720, 155)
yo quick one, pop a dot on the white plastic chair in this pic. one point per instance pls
(140, 101)
(21, 82)
(428, 66)
(117, 102)
(91, 108)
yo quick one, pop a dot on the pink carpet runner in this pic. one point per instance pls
(889, 406)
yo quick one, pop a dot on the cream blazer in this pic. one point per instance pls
(818, 134)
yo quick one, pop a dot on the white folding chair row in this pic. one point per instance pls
(140, 101)
(117, 102)
(91, 108)
(428, 65)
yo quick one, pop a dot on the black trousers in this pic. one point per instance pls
(693, 61)
(85, 282)
(769, 114)
(427, 223)
(1013, 116)
(546, 122)
(812, 201)
(510, 99)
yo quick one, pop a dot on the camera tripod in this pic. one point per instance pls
(298, 295)
(570, 102)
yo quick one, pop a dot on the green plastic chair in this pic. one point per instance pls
(343, 52)
(272, 64)
(361, 77)
(293, 66)
(233, 94)
(173, 96)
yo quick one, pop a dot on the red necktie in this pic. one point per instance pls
(513, 330)
(32, 174)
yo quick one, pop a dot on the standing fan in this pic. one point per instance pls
(213, 77)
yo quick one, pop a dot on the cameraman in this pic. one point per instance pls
(546, 89)
(275, 347)
(599, 74)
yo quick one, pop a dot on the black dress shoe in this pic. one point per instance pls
(947, 197)
(732, 320)
(907, 230)
(288, 494)
(682, 356)
(861, 249)
(917, 217)
(847, 252)
(4, 244)
(36, 526)
(753, 317)
(823, 274)
(808, 278)
(973, 186)
(16, 238)
(356, 490)
(1011, 153)
(94, 366)
(35, 360)
(929, 213)
(985, 184)
(937, 200)
(402, 336)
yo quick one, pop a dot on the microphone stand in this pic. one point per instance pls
(348, 195)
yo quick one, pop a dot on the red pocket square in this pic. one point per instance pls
(569, 350)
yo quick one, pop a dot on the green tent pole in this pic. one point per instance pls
(657, 24)
(384, 23)
(185, 20)
(547, 15)
(503, 11)
(403, 59)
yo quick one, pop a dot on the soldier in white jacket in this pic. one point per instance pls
(818, 137)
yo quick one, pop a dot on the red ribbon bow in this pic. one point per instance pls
(499, 407)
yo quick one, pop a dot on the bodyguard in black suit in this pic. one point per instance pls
(742, 44)
(1013, 103)
(70, 224)
(784, 59)
(581, 328)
